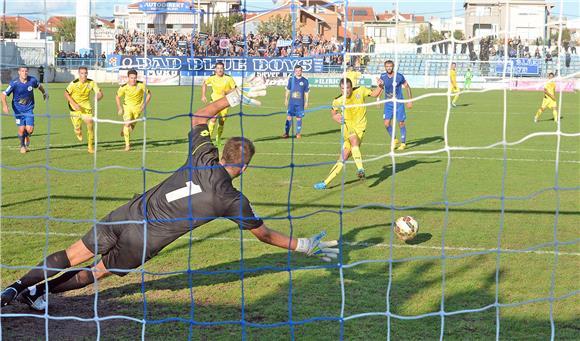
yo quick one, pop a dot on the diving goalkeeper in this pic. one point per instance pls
(197, 193)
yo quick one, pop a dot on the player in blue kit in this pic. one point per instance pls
(21, 89)
(296, 101)
(389, 80)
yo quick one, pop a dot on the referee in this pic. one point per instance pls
(197, 193)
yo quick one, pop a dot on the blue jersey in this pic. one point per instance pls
(297, 87)
(22, 94)
(388, 82)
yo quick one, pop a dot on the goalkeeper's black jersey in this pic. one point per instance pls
(197, 193)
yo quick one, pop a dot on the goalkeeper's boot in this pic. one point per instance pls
(402, 147)
(360, 173)
(320, 185)
(7, 296)
(91, 150)
(37, 303)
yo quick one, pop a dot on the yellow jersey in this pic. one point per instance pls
(355, 116)
(80, 92)
(220, 85)
(550, 88)
(453, 78)
(354, 76)
(134, 95)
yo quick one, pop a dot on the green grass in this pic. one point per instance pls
(468, 227)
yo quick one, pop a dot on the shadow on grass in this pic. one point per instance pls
(273, 138)
(175, 306)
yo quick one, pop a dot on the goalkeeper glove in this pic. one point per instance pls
(315, 246)
(252, 87)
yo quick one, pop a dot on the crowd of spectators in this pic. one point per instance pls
(255, 45)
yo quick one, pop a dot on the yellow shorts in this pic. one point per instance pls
(349, 131)
(549, 103)
(77, 117)
(131, 113)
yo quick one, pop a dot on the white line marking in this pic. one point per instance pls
(355, 244)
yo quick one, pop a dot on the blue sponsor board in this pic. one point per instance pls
(204, 66)
(519, 67)
(165, 7)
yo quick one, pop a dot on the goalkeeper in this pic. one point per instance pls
(200, 191)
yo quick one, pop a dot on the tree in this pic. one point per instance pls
(566, 36)
(277, 24)
(425, 36)
(222, 24)
(457, 34)
(66, 30)
(8, 30)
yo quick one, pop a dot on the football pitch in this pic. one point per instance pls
(522, 197)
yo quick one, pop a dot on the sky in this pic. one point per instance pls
(427, 8)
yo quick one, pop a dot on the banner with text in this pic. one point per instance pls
(519, 67)
(204, 66)
(165, 7)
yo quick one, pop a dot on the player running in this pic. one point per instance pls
(220, 85)
(355, 124)
(134, 105)
(549, 100)
(296, 101)
(393, 84)
(77, 94)
(21, 89)
(199, 192)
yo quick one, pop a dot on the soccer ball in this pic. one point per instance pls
(406, 228)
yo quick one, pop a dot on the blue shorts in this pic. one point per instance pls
(296, 110)
(390, 108)
(24, 119)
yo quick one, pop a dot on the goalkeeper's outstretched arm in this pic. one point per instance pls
(310, 246)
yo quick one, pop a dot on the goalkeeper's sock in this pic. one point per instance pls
(298, 126)
(127, 135)
(334, 172)
(210, 127)
(357, 156)
(57, 260)
(68, 281)
(21, 139)
(287, 126)
(390, 130)
(555, 114)
(403, 134)
(538, 114)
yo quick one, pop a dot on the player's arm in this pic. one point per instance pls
(547, 93)
(287, 96)
(203, 92)
(409, 94)
(309, 246)
(71, 101)
(306, 95)
(336, 115)
(377, 91)
(147, 100)
(99, 94)
(4, 104)
(119, 106)
(43, 91)
(254, 88)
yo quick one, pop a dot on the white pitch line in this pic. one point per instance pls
(380, 156)
(380, 245)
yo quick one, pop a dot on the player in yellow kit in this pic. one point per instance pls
(549, 99)
(453, 83)
(220, 85)
(355, 124)
(134, 104)
(78, 96)
(354, 76)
